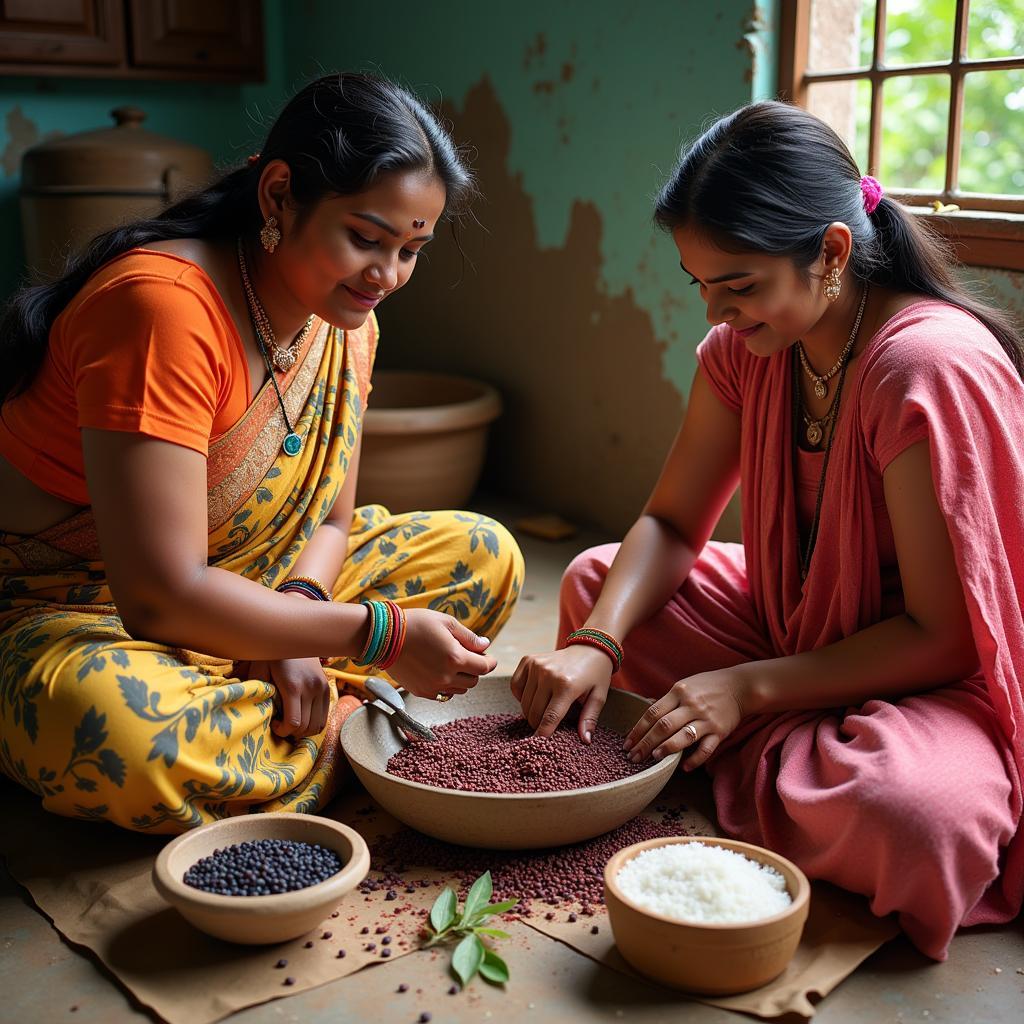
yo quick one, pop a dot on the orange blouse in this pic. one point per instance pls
(146, 346)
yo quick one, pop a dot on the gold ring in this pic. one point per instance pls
(443, 698)
(692, 731)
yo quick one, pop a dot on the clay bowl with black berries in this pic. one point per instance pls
(259, 919)
(498, 820)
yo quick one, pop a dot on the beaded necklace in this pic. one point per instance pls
(832, 416)
(284, 358)
(292, 443)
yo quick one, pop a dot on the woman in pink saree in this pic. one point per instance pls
(851, 674)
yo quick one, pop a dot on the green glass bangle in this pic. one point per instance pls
(379, 631)
(593, 642)
(378, 615)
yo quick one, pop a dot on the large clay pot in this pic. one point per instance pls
(77, 186)
(424, 438)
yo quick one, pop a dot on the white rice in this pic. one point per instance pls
(703, 883)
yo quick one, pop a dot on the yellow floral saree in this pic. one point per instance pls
(160, 739)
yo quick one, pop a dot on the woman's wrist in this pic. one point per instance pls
(361, 635)
(600, 640)
(752, 688)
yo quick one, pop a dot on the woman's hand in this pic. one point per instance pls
(697, 712)
(440, 655)
(547, 685)
(303, 689)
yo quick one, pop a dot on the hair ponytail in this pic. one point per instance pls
(771, 177)
(338, 135)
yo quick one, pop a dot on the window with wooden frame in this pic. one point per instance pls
(929, 96)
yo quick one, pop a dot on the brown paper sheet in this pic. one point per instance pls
(839, 935)
(94, 883)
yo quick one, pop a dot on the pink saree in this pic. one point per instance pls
(915, 803)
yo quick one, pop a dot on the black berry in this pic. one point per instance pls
(263, 867)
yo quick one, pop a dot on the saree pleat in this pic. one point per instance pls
(161, 739)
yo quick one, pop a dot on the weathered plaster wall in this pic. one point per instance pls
(571, 303)
(1002, 287)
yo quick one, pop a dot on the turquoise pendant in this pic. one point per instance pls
(292, 444)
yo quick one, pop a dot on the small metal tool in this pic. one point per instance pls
(390, 701)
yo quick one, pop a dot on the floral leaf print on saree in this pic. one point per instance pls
(448, 602)
(165, 743)
(43, 786)
(18, 652)
(205, 801)
(90, 735)
(481, 530)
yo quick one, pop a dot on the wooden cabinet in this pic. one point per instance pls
(196, 34)
(70, 32)
(219, 40)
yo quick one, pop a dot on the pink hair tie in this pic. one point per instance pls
(255, 159)
(871, 190)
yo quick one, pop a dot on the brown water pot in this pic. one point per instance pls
(76, 186)
(424, 439)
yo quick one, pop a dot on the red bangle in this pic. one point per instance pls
(598, 644)
(394, 649)
(391, 635)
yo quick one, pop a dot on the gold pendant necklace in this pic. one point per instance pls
(283, 358)
(820, 381)
(292, 443)
(815, 428)
(806, 551)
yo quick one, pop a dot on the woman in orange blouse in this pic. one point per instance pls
(186, 587)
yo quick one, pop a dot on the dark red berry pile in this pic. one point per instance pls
(500, 754)
(263, 867)
(563, 874)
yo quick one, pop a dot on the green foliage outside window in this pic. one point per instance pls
(916, 109)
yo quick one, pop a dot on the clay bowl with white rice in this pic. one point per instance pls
(706, 915)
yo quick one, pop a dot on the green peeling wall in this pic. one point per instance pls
(573, 305)
(599, 95)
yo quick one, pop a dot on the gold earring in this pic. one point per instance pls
(833, 284)
(270, 234)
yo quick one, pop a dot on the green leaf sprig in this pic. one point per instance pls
(470, 955)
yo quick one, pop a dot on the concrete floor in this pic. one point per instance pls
(42, 977)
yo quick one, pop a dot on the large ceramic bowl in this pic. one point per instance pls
(260, 919)
(424, 440)
(709, 959)
(508, 821)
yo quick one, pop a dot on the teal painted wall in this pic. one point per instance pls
(223, 119)
(574, 305)
(599, 95)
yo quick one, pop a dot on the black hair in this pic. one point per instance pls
(771, 177)
(339, 135)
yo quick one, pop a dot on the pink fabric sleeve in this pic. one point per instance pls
(916, 370)
(724, 358)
